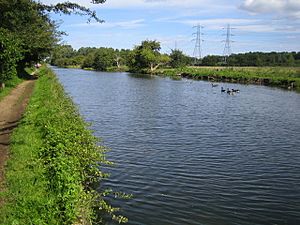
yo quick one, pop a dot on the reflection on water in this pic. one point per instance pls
(193, 155)
(141, 76)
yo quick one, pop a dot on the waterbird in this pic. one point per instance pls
(222, 89)
(235, 90)
(230, 92)
(214, 85)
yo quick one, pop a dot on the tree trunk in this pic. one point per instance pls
(2, 86)
(151, 67)
(159, 64)
(154, 67)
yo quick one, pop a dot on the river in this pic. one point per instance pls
(191, 155)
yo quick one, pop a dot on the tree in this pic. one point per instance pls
(178, 59)
(104, 58)
(212, 60)
(29, 22)
(147, 55)
(61, 52)
(36, 32)
(88, 61)
(290, 60)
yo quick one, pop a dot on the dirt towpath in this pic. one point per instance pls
(12, 108)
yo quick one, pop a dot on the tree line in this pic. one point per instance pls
(147, 56)
(144, 56)
(255, 59)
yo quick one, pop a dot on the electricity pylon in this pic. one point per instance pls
(227, 48)
(198, 46)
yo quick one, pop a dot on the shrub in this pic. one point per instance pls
(10, 54)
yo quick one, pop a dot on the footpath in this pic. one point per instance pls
(12, 108)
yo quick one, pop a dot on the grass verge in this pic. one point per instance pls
(54, 159)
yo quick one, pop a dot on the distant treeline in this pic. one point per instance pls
(147, 56)
(255, 59)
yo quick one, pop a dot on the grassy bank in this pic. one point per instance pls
(53, 162)
(286, 77)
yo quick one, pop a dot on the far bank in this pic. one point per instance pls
(283, 77)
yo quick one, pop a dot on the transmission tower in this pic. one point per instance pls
(198, 47)
(227, 49)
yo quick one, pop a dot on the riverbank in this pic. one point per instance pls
(284, 77)
(53, 161)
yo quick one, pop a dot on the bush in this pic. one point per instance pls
(10, 54)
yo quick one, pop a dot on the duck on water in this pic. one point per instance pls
(230, 91)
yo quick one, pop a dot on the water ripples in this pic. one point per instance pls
(191, 155)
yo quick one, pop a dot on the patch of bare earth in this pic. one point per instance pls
(12, 108)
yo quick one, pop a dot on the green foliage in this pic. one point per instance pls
(178, 59)
(72, 8)
(61, 54)
(147, 56)
(54, 161)
(254, 59)
(27, 34)
(10, 54)
(88, 61)
(212, 60)
(36, 32)
(103, 58)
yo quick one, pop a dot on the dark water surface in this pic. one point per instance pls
(192, 155)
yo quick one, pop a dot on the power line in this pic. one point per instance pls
(197, 54)
(227, 48)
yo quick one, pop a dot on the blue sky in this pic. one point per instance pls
(259, 25)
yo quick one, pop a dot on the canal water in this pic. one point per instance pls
(191, 155)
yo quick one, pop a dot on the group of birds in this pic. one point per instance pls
(227, 90)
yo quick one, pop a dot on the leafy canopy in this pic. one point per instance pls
(10, 54)
(27, 32)
(178, 59)
(147, 55)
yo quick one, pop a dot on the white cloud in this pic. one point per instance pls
(130, 24)
(283, 8)
(217, 23)
(242, 25)
(159, 3)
